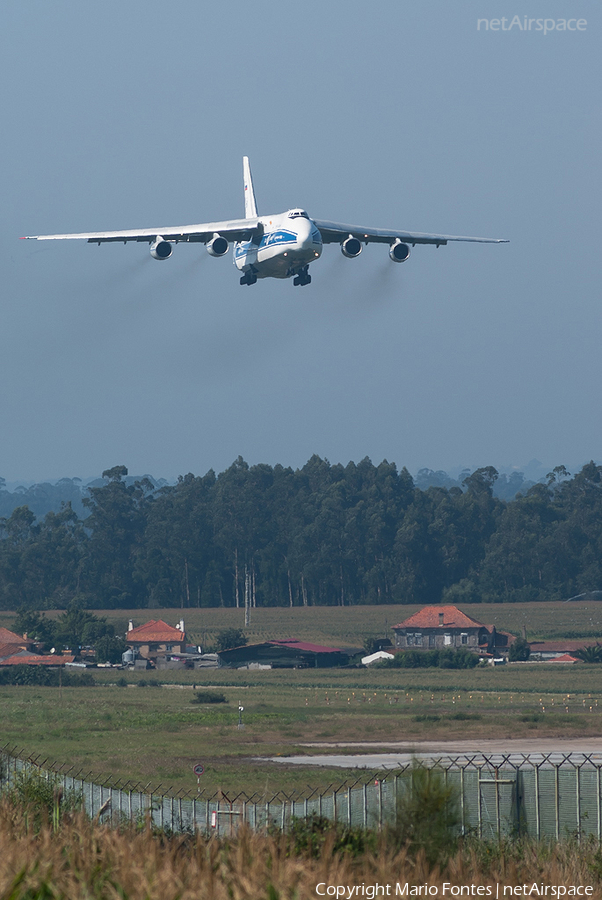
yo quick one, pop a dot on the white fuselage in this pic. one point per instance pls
(290, 241)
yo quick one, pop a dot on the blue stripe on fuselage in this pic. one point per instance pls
(268, 240)
(278, 237)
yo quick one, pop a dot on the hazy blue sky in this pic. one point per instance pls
(393, 114)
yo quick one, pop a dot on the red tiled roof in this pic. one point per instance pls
(52, 660)
(10, 637)
(429, 618)
(12, 649)
(560, 646)
(565, 658)
(156, 632)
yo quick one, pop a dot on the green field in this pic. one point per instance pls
(348, 626)
(154, 734)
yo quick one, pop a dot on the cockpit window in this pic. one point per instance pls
(298, 213)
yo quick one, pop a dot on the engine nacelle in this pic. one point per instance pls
(217, 246)
(351, 247)
(160, 249)
(399, 251)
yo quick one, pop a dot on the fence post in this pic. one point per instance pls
(498, 823)
(349, 807)
(578, 802)
(599, 811)
(537, 819)
(557, 800)
(365, 792)
(517, 789)
(461, 798)
(479, 810)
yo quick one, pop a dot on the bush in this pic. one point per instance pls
(447, 658)
(41, 796)
(229, 638)
(208, 697)
(43, 676)
(519, 651)
(307, 837)
(427, 816)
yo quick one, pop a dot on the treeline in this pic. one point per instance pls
(320, 535)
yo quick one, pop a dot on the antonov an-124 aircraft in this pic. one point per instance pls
(278, 246)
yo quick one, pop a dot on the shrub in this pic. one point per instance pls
(446, 658)
(519, 651)
(307, 837)
(427, 815)
(41, 796)
(229, 638)
(43, 676)
(208, 697)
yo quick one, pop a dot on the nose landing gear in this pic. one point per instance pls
(302, 277)
(249, 277)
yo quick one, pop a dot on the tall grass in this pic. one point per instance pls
(83, 859)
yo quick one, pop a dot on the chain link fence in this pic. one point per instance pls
(545, 796)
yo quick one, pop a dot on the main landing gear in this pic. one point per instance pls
(249, 277)
(302, 277)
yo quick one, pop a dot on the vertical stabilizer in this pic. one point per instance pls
(250, 205)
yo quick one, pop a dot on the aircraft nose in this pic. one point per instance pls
(304, 232)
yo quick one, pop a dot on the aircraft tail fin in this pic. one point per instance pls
(250, 205)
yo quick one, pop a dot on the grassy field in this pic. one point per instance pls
(348, 626)
(155, 734)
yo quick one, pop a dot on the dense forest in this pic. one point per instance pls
(322, 534)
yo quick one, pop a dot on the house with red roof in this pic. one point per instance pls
(156, 638)
(13, 645)
(439, 627)
(11, 637)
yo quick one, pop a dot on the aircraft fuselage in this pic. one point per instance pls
(289, 242)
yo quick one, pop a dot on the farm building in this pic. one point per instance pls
(156, 638)
(437, 627)
(16, 649)
(553, 650)
(33, 659)
(284, 654)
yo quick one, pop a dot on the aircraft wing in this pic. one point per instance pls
(233, 230)
(333, 232)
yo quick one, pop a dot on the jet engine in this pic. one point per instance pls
(160, 249)
(351, 247)
(217, 246)
(398, 251)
